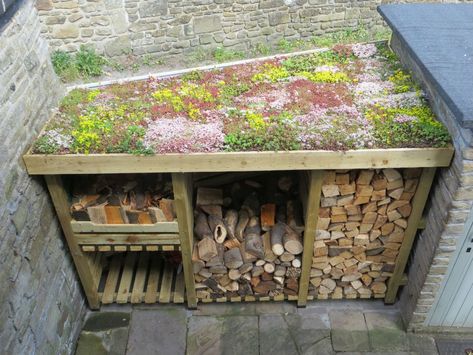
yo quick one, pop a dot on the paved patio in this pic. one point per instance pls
(249, 328)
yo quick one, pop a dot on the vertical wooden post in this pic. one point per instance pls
(418, 203)
(311, 217)
(87, 270)
(182, 186)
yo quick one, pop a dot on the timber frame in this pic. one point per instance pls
(87, 243)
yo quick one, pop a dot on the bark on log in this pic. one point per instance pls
(243, 219)
(157, 215)
(254, 245)
(268, 215)
(208, 196)
(201, 227)
(207, 249)
(231, 220)
(277, 234)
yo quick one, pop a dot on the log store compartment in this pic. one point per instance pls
(142, 262)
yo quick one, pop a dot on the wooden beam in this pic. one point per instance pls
(237, 161)
(89, 227)
(418, 203)
(311, 216)
(182, 186)
(85, 266)
(127, 239)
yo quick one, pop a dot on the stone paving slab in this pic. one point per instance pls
(422, 344)
(158, 331)
(223, 335)
(385, 331)
(275, 336)
(349, 331)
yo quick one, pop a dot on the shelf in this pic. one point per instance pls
(123, 248)
(141, 277)
(280, 297)
(89, 227)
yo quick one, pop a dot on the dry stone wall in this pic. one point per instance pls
(172, 27)
(41, 304)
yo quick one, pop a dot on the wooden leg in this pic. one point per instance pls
(418, 203)
(182, 186)
(88, 270)
(314, 188)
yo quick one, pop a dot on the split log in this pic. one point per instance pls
(268, 215)
(292, 241)
(113, 215)
(218, 229)
(264, 287)
(233, 258)
(207, 249)
(253, 227)
(231, 220)
(234, 274)
(97, 214)
(269, 268)
(167, 206)
(254, 245)
(157, 215)
(212, 210)
(296, 262)
(286, 257)
(209, 196)
(277, 234)
(243, 219)
(294, 216)
(268, 252)
(201, 227)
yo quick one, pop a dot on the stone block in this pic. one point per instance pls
(153, 8)
(207, 24)
(118, 46)
(270, 4)
(65, 31)
(277, 18)
(275, 336)
(44, 5)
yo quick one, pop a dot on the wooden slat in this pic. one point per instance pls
(237, 161)
(112, 279)
(140, 276)
(166, 283)
(418, 203)
(151, 295)
(311, 216)
(179, 288)
(182, 187)
(83, 262)
(127, 277)
(89, 227)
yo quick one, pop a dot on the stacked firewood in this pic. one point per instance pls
(249, 239)
(362, 218)
(123, 199)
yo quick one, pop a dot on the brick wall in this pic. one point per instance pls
(172, 27)
(41, 302)
(448, 209)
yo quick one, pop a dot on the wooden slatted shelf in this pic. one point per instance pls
(280, 297)
(89, 227)
(141, 277)
(120, 248)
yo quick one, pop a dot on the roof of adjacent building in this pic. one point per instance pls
(440, 38)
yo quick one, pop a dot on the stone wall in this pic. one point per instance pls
(170, 27)
(41, 306)
(448, 209)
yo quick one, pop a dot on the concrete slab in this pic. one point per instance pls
(98, 321)
(222, 335)
(224, 309)
(422, 344)
(90, 343)
(275, 336)
(349, 331)
(386, 331)
(158, 331)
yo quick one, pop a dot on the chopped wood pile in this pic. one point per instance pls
(123, 199)
(362, 218)
(248, 237)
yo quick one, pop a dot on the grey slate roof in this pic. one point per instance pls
(440, 39)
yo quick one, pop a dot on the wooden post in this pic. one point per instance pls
(418, 203)
(314, 189)
(88, 271)
(182, 186)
